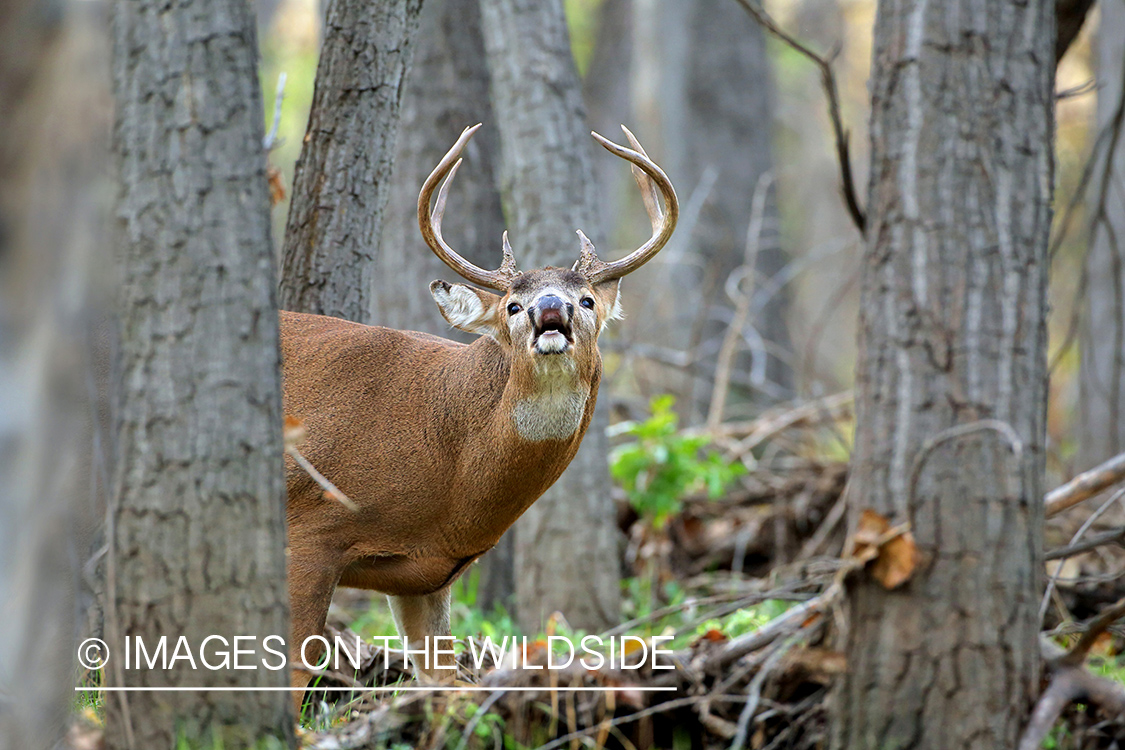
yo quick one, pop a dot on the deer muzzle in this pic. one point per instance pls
(551, 317)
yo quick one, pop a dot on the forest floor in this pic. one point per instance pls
(745, 581)
(748, 584)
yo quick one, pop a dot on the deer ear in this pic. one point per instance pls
(468, 309)
(609, 297)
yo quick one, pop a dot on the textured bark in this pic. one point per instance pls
(447, 90)
(953, 331)
(715, 101)
(55, 115)
(198, 526)
(343, 176)
(566, 544)
(1102, 375)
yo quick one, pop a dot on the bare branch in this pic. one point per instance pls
(742, 304)
(1077, 654)
(270, 141)
(1074, 540)
(1117, 536)
(1085, 485)
(828, 81)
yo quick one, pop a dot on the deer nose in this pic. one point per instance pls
(551, 308)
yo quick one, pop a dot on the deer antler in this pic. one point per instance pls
(651, 179)
(430, 224)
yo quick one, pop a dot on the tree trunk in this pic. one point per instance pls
(1102, 377)
(952, 331)
(447, 91)
(607, 92)
(54, 63)
(198, 525)
(566, 543)
(343, 176)
(715, 107)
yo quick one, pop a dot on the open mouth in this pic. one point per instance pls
(552, 335)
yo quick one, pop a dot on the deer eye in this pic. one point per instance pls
(513, 308)
(587, 302)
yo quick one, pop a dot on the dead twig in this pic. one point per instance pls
(745, 293)
(329, 489)
(754, 690)
(270, 140)
(828, 81)
(775, 421)
(1070, 682)
(1117, 536)
(1077, 654)
(1074, 540)
(1085, 485)
(294, 435)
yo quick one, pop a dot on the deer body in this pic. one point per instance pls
(441, 446)
(423, 467)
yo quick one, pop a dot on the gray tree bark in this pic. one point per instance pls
(343, 175)
(953, 331)
(446, 91)
(197, 527)
(566, 543)
(55, 116)
(1102, 372)
(713, 100)
(607, 92)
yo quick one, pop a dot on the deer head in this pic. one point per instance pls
(551, 316)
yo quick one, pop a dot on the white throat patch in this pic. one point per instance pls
(553, 414)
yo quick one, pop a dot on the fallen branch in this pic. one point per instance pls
(793, 619)
(1085, 485)
(1117, 536)
(1070, 682)
(775, 421)
(1089, 522)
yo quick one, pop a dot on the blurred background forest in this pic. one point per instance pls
(758, 109)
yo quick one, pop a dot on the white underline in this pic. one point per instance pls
(368, 689)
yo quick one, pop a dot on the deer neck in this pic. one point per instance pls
(533, 400)
(547, 398)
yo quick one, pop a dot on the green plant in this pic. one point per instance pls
(662, 466)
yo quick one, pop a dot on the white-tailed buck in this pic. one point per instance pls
(441, 445)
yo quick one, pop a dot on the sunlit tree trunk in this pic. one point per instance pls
(953, 332)
(566, 543)
(197, 527)
(55, 116)
(1102, 382)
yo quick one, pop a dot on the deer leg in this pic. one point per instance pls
(417, 617)
(312, 579)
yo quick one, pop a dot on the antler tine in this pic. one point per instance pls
(651, 179)
(648, 189)
(430, 223)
